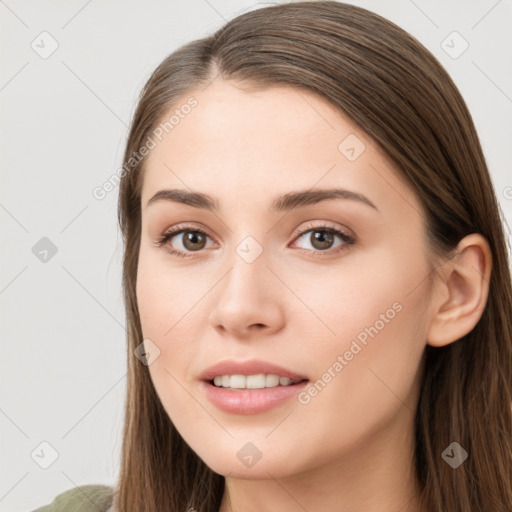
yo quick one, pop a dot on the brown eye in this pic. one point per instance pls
(188, 240)
(321, 239)
(193, 240)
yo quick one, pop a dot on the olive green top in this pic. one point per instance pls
(86, 498)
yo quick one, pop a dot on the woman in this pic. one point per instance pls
(316, 279)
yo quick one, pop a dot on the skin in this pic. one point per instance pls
(350, 448)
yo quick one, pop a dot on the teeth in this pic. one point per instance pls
(258, 381)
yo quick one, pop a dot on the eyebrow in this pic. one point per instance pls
(282, 203)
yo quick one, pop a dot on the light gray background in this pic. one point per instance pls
(64, 122)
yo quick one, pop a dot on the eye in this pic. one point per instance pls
(322, 239)
(195, 239)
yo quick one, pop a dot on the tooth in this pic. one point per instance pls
(255, 381)
(271, 381)
(237, 381)
(285, 381)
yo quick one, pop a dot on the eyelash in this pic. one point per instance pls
(347, 239)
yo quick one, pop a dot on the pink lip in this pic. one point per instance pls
(249, 401)
(251, 367)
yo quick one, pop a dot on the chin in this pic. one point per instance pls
(228, 464)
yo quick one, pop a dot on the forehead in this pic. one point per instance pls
(250, 120)
(255, 143)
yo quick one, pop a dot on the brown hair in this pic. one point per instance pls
(395, 90)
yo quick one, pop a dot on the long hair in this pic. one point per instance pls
(396, 91)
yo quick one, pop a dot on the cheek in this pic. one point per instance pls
(164, 321)
(167, 297)
(369, 369)
(363, 292)
(172, 317)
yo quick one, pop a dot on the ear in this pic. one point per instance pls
(461, 295)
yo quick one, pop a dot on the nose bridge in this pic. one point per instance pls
(245, 297)
(248, 263)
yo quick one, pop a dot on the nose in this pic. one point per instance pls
(248, 300)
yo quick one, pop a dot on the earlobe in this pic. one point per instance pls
(465, 288)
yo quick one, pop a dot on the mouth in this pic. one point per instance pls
(251, 386)
(261, 381)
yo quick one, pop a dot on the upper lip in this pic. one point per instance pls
(252, 367)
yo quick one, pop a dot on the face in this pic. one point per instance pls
(334, 291)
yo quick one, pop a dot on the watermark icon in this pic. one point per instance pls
(44, 45)
(454, 45)
(249, 249)
(351, 147)
(249, 454)
(101, 191)
(44, 455)
(313, 388)
(507, 192)
(44, 250)
(454, 455)
(147, 352)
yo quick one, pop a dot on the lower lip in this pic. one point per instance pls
(250, 401)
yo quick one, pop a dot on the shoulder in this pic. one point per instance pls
(86, 498)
